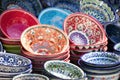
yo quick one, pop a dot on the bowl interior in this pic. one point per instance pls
(46, 42)
(101, 59)
(53, 16)
(63, 70)
(13, 25)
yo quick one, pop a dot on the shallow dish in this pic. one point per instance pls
(46, 42)
(63, 70)
(101, 59)
(30, 77)
(53, 16)
(12, 63)
(13, 25)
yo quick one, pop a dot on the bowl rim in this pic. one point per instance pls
(45, 26)
(59, 61)
(15, 10)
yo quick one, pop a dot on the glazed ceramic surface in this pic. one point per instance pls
(32, 6)
(98, 9)
(30, 77)
(101, 59)
(53, 16)
(78, 38)
(13, 25)
(1, 47)
(44, 40)
(63, 70)
(11, 63)
(87, 25)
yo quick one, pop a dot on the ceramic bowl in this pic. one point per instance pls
(12, 63)
(46, 42)
(53, 16)
(30, 77)
(101, 59)
(116, 48)
(87, 25)
(13, 25)
(99, 10)
(33, 7)
(10, 41)
(63, 70)
(113, 32)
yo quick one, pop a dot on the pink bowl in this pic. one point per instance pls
(14, 21)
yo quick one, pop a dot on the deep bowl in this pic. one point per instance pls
(63, 70)
(53, 16)
(30, 77)
(101, 59)
(46, 42)
(13, 25)
(12, 63)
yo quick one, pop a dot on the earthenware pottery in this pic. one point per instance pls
(64, 70)
(46, 42)
(32, 6)
(87, 25)
(13, 25)
(99, 10)
(30, 77)
(116, 48)
(101, 59)
(12, 63)
(113, 32)
(53, 16)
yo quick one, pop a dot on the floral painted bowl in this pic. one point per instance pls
(30, 77)
(13, 25)
(64, 70)
(46, 42)
(98, 9)
(53, 16)
(101, 59)
(88, 26)
(12, 63)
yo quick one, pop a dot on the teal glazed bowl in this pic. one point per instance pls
(53, 16)
(64, 70)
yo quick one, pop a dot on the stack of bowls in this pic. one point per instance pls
(12, 65)
(41, 43)
(85, 34)
(12, 26)
(64, 71)
(101, 65)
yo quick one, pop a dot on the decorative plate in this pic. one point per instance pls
(98, 9)
(30, 77)
(33, 6)
(101, 59)
(53, 16)
(63, 70)
(87, 25)
(78, 38)
(12, 63)
(44, 40)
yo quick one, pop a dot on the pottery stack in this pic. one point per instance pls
(100, 65)
(41, 43)
(85, 34)
(12, 24)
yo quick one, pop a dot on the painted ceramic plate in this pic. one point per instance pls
(63, 70)
(78, 38)
(101, 59)
(33, 6)
(53, 16)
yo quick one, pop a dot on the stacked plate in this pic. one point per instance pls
(12, 26)
(41, 43)
(85, 34)
(12, 65)
(101, 65)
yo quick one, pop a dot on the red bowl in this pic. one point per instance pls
(14, 21)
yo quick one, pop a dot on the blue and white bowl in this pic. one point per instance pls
(12, 63)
